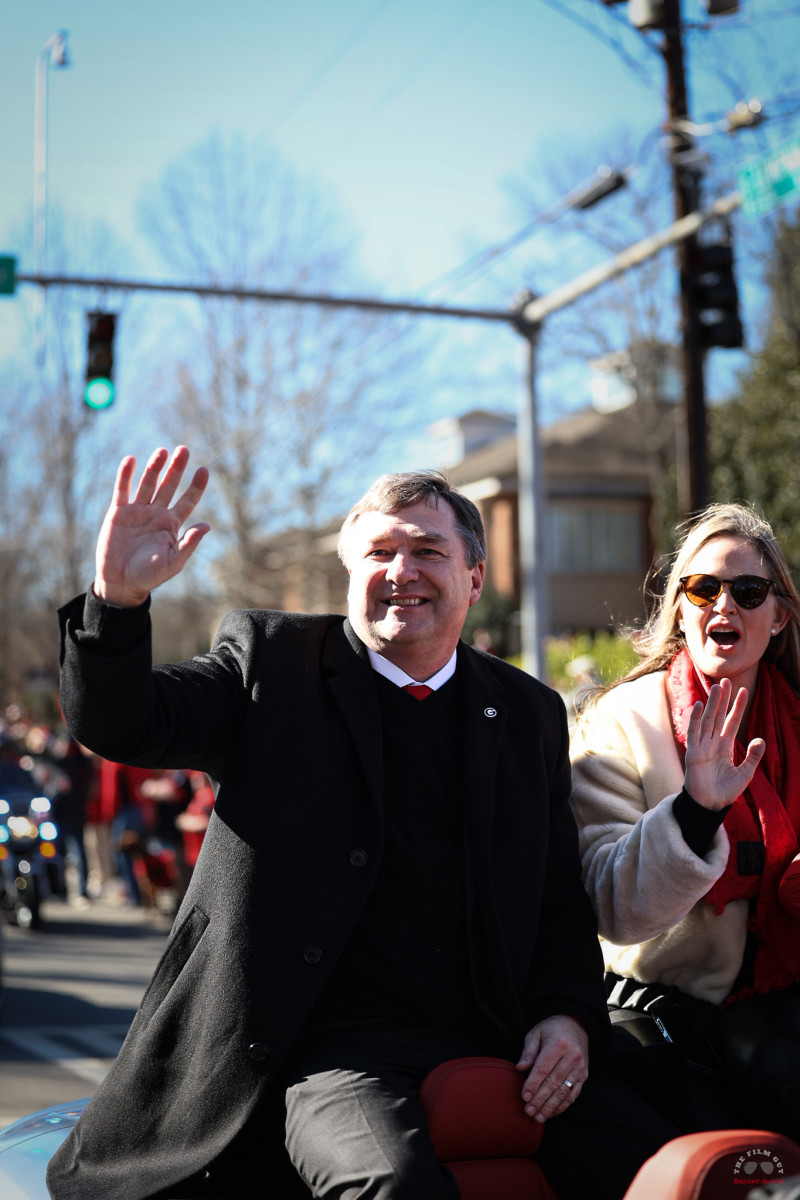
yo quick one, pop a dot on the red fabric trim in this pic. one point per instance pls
(767, 812)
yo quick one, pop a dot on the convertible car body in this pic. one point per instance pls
(27, 1146)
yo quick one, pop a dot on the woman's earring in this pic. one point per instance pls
(774, 631)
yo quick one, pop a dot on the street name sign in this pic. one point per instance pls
(770, 180)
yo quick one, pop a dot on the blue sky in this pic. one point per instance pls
(412, 113)
(414, 116)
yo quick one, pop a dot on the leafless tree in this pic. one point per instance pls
(286, 403)
(51, 442)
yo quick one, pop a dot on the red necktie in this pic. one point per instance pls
(418, 690)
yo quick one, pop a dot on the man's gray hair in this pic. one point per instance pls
(391, 493)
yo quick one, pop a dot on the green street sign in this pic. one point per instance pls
(8, 275)
(770, 180)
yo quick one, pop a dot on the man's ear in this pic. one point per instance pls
(477, 583)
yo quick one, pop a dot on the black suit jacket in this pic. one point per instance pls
(283, 715)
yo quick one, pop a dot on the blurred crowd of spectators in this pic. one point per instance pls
(128, 835)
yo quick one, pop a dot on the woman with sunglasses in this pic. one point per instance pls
(686, 790)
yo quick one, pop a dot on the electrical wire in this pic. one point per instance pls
(403, 80)
(305, 89)
(638, 69)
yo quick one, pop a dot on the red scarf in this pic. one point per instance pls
(767, 812)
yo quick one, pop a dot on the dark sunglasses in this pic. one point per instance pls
(749, 591)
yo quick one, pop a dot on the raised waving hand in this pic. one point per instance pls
(141, 544)
(713, 778)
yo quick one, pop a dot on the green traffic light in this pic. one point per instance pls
(99, 393)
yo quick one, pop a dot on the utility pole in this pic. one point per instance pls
(686, 172)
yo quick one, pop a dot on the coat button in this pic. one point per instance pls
(257, 1051)
(312, 954)
(358, 858)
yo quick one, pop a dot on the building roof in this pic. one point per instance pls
(593, 451)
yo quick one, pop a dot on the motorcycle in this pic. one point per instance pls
(29, 857)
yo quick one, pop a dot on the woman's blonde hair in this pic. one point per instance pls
(661, 638)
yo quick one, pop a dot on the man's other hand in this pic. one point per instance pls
(555, 1055)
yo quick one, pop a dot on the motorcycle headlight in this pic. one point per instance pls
(48, 831)
(40, 805)
(21, 827)
(5, 807)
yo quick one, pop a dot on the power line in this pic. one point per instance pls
(326, 66)
(614, 44)
(404, 78)
(482, 260)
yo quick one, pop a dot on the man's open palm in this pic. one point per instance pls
(141, 544)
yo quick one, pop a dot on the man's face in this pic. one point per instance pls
(410, 586)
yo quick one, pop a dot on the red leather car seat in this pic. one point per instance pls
(482, 1134)
(480, 1131)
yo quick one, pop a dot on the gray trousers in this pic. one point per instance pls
(354, 1124)
(359, 1134)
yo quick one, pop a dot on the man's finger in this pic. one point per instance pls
(559, 1102)
(192, 495)
(122, 485)
(190, 541)
(149, 480)
(172, 477)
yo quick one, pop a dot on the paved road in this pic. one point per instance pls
(72, 989)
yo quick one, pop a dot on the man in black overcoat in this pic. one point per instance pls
(385, 883)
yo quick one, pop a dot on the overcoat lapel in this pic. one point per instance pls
(346, 665)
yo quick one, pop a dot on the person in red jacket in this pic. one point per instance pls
(193, 821)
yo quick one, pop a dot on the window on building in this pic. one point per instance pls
(593, 539)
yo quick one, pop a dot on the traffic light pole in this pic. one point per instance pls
(265, 295)
(531, 503)
(686, 181)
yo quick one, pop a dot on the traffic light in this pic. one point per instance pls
(99, 390)
(717, 295)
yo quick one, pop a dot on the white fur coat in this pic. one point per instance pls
(645, 883)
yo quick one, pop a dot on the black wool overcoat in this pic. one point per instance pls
(283, 715)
